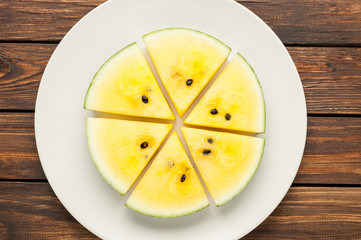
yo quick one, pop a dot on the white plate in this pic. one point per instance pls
(59, 117)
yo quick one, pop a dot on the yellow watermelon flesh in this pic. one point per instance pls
(170, 187)
(234, 101)
(186, 60)
(126, 85)
(226, 161)
(121, 149)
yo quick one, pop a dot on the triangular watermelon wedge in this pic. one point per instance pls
(234, 101)
(185, 60)
(121, 149)
(126, 85)
(170, 186)
(226, 161)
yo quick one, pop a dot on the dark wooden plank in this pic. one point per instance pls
(31, 211)
(41, 20)
(21, 68)
(295, 22)
(18, 155)
(314, 213)
(317, 22)
(331, 76)
(333, 152)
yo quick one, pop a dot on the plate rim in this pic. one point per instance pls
(75, 26)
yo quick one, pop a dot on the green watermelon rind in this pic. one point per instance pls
(164, 216)
(116, 188)
(100, 69)
(185, 213)
(248, 181)
(171, 117)
(188, 29)
(259, 84)
(111, 183)
(218, 43)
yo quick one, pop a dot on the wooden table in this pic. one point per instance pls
(324, 40)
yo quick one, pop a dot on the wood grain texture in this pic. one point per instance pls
(21, 68)
(332, 154)
(333, 151)
(319, 22)
(31, 211)
(314, 213)
(18, 154)
(331, 77)
(295, 22)
(41, 20)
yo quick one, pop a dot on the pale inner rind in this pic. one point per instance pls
(119, 162)
(121, 83)
(162, 192)
(183, 54)
(236, 92)
(177, 124)
(230, 163)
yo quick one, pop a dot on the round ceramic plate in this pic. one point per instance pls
(60, 117)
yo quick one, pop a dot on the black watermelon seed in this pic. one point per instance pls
(206, 152)
(189, 82)
(144, 99)
(228, 116)
(183, 178)
(210, 140)
(214, 111)
(144, 145)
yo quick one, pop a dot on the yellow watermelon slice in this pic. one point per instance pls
(120, 149)
(126, 85)
(170, 187)
(185, 60)
(226, 161)
(234, 101)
